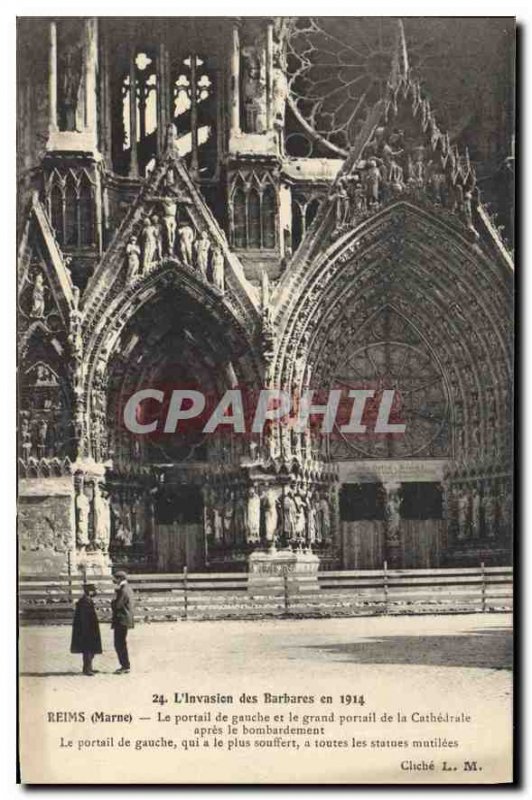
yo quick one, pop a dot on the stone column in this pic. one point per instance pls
(234, 88)
(164, 112)
(106, 100)
(52, 78)
(269, 74)
(194, 163)
(392, 521)
(90, 66)
(133, 165)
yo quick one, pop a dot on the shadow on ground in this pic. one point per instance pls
(481, 649)
(49, 674)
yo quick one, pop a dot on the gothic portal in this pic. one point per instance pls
(264, 202)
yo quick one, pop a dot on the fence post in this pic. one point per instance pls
(285, 587)
(385, 585)
(185, 587)
(483, 575)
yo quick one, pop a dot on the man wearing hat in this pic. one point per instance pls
(86, 629)
(122, 619)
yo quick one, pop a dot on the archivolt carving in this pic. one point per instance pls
(457, 298)
(162, 282)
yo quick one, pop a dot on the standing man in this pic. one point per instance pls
(86, 629)
(123, 619)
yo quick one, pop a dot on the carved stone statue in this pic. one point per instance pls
(312, 522)
(395, 176)
(169, 209)
(253, 515)
(25, 437)
(202, 249)
(70, 68)
(38, 301)
(149, 244)
(301, 517)
(42, 435)
(158, 239)
(325, 518)
(228, 517)
(341, 197)
(359, 197)
(279, 92)
(290, 516)
(133, 259)
(373, 182)
(217, 265)
(240, 517)
(82, 519)
(253, 91)
(392, 514)
(186, 241)
(124, 535)
(270, 515)
(102, 520)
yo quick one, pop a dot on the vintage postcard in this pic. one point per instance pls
(265, 394)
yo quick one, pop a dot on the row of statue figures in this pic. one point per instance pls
(254, 515)
(167, 238)
(93, 517)
(236, 517)
(390, 174)
(41, 433)
(481, 511)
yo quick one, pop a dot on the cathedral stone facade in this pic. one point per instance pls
(236, 202)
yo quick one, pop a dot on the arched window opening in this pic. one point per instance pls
(71, 213)
(254, 222)
(297, 225)
(254, 219)
(269, 217)
(71, 206)
(239, 218)
(86, 211)
(139, 112)
(56, 213)
(195, 114)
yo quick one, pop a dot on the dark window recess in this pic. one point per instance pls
(361, 501)
(421, 501)
(56, 204)
(254, 219)
(71, 216)
(185, 505)
(240, 218)
(269, 215)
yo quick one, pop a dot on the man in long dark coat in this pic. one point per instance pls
(86, 629)
(122, 619)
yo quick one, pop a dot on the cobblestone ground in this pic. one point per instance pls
(442, 663)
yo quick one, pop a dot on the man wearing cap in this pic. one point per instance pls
(122, 619)
(86, 629)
